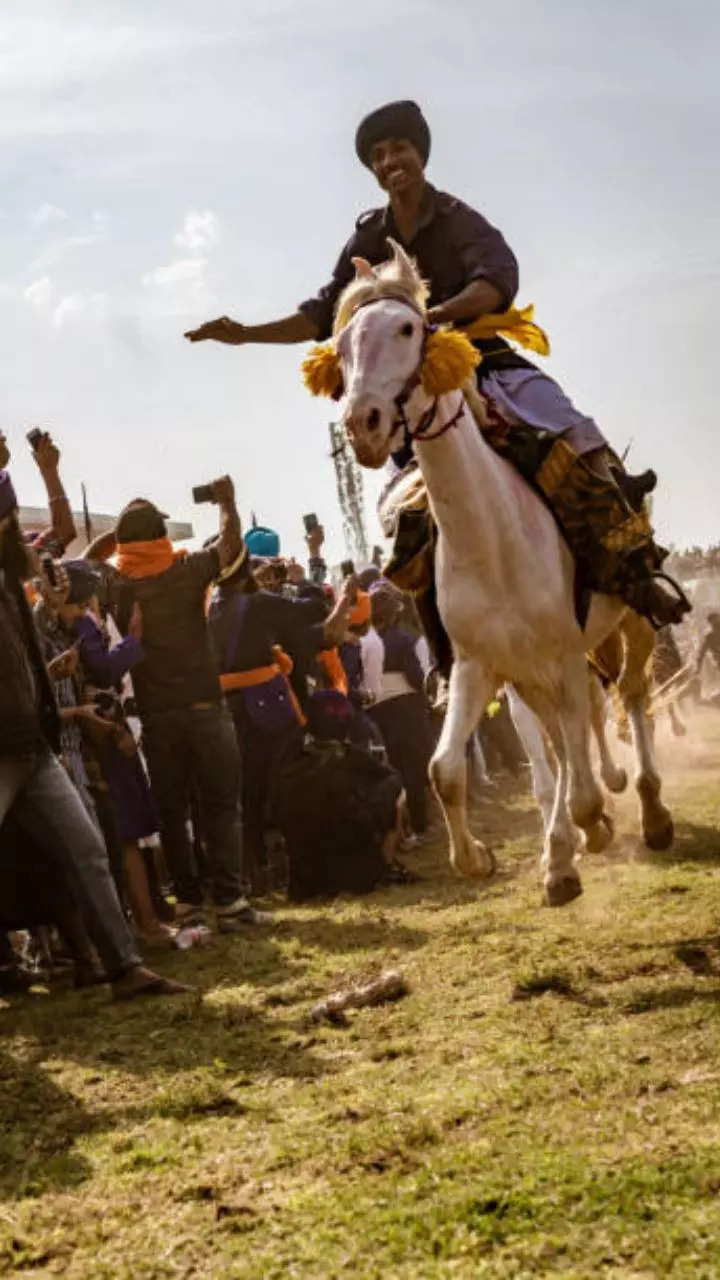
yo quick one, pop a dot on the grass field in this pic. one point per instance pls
(545, 1102)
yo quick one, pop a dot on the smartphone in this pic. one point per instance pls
(48, 567)
(347, 568)
(311, 522)
(202, 493)
(34, 437)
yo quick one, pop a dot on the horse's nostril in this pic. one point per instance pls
(374, 419)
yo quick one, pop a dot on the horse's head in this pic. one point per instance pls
(384, 358)
(380, 335)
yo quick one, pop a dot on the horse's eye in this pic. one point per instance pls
(407, 330)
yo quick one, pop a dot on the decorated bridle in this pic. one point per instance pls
(447, 360)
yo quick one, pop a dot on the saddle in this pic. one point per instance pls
(405, 514)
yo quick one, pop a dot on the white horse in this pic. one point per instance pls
(504, 574)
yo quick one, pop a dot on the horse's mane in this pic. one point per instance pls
(398, 278)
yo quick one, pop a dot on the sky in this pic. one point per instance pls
(165, 163)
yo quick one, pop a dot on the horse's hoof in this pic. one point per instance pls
(601, 836)
(479, 864)
(661, 839)
(617, 782)
(558, 893)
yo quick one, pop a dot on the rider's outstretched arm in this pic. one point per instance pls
(312, 320)
(295, 328)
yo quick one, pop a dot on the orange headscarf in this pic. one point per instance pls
(147, 559)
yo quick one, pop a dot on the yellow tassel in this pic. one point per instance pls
(517, 324)
(321, 370)
(449, 361)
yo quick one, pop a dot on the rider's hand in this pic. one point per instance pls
(436, 315)
(222, 330)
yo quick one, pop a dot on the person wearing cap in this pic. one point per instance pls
(34, 788)
(188, 734)
(472, 272)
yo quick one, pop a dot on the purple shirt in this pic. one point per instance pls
(453, 245)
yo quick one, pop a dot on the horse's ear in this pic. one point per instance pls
(363, 270)
(407, 272)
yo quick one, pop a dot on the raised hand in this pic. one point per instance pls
(223, 490)
(315, 539)
(46, 454)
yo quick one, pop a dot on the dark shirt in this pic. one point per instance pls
(179, 668)
(351, 658)
(20, 730)
(401, 656)
(266, 620)
(453, 245)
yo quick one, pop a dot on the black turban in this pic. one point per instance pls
(394, 120)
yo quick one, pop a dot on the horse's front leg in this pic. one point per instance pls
(469, 694)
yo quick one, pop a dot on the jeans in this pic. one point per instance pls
(44, 802)
(195, 751)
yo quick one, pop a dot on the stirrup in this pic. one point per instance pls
(681, 595)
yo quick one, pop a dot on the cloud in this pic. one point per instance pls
(39, 293)
(47, 213)
(42, 295)
(181, 286)
(53, 253)
(200, 230)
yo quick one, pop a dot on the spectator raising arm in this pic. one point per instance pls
(230, 543)
(336, 625)
(47, 457)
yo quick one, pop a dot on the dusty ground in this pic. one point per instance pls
(546, 1101)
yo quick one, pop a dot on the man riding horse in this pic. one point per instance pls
(471, 273)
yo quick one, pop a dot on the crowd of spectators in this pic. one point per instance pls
(183, 733)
